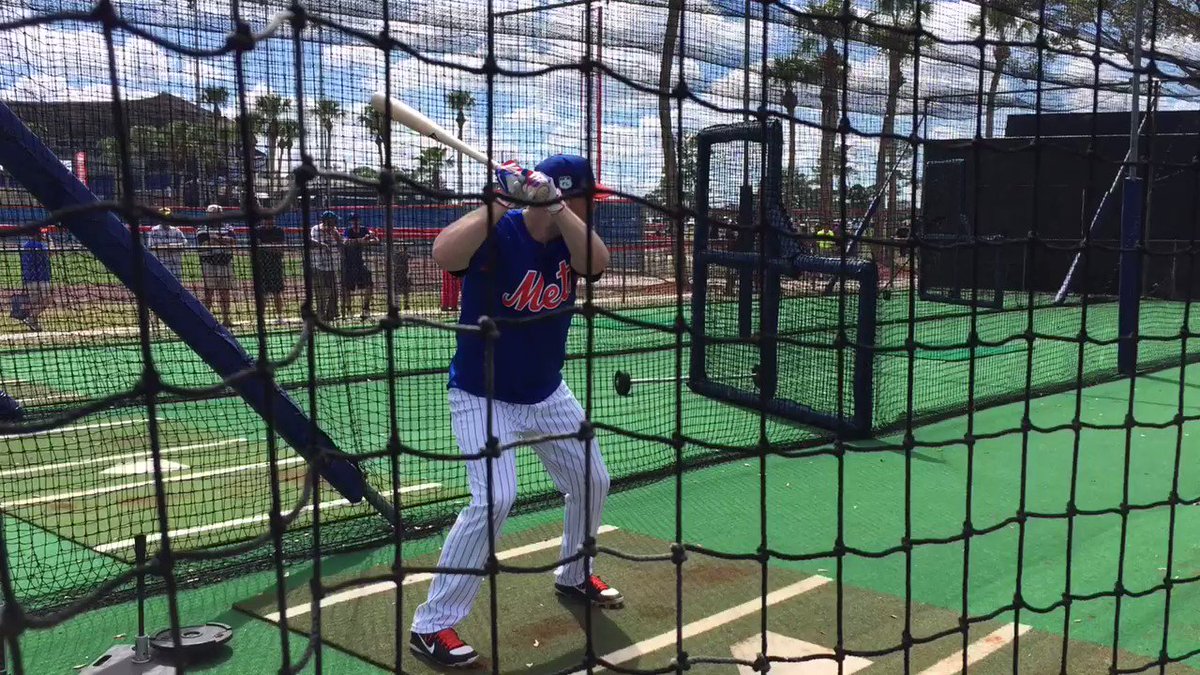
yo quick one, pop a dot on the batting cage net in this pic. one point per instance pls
(878, 326)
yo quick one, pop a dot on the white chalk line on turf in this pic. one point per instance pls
(78, 427)
(385, 586)
(45, 468)
(978, 650)
(250, 520)
(667, 639)
(62, 496)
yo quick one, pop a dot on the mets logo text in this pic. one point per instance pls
(534, 294)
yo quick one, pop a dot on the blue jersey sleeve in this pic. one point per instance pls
(488, 251)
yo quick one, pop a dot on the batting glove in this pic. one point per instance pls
(510, 178)
(540, 190)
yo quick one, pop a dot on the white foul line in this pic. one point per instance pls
(248, 520)
(978, 650)
(43, 468)
(80, 427)
(61, 496)
(385, 586)
(667, 639)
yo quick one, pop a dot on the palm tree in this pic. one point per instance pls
(150, 146)
(430, 163)
(376, 124)
(327, 111)
(1005, 25)
(789, 70)
(289, 130)
(268, 112)
(828, 30)
(216, 97)
(897, 18)
(666, 133)
(460, 101)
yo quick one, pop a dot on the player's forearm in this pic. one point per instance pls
(575, 233)
(457, 243)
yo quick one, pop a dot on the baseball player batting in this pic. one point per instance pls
(526, 268)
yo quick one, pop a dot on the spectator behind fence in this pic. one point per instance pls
(326, 245)
(215, 241)
(167, 243)
(35, 277)
(356, 276)
(269, 262)
(400, 282)
(826, 241)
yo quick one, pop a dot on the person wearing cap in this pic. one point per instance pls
(269, 262)
(356, 276)
(826, 240)
(215, 240)
(326, 243)
(168, 243)
(35, 277)
(519, 266)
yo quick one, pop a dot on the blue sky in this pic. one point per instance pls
(531, 117)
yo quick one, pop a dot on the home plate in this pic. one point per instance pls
(786, 647)
(142, 467)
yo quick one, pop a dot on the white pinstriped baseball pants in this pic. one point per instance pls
(451, 595)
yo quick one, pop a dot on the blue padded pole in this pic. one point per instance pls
(37, 169)
(1130, 280)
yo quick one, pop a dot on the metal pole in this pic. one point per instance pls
(600, 96)
(1130, 276)
(1135, 87)
(196, 74)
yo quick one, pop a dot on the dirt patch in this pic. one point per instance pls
(59, 507)
(549, 628)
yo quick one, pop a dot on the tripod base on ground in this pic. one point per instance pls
(136, 659)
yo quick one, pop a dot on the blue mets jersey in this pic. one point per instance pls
(514, 276)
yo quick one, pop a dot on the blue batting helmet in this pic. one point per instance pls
(571, 173)
(326, 215)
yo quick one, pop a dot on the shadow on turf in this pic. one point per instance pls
(604, 631)
(298, 576)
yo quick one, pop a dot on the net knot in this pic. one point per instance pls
(492, 448)
(151, 381)
(241, 39)
(277, 523)
(299, 18)
(682, 661)
(489, 328)
(106, 14)
(586, 431)
(678, 554)
(763, 555)
(761, 663)
(387, 184)
(306, 172)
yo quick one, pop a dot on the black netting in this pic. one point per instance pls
(827, 225)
